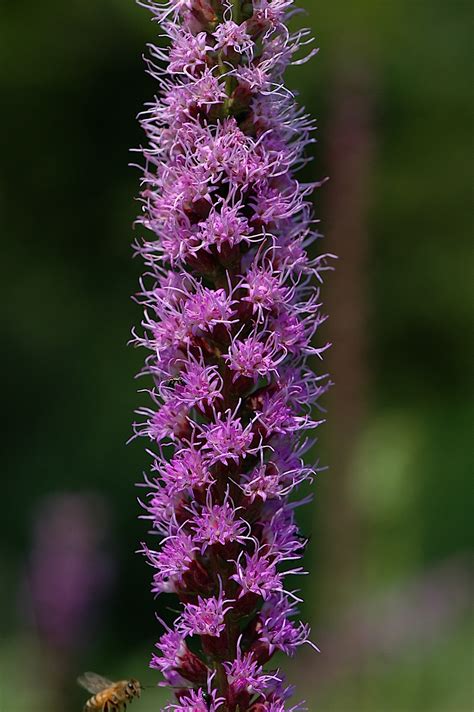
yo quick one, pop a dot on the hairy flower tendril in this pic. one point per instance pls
(231, 308)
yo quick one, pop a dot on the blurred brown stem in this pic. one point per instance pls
(350, 156)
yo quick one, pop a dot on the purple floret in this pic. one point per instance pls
(231, 307)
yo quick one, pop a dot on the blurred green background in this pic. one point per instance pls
(391, 531)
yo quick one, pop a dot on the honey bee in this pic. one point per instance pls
(108, 696)
(174, 381)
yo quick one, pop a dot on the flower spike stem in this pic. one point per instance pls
(230, 312)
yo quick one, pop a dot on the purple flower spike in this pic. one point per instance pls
(231, 308)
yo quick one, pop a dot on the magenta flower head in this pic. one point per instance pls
(231, 308)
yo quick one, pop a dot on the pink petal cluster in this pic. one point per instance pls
(231, 306)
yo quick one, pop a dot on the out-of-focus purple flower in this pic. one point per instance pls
(69, 569)
(230, 310)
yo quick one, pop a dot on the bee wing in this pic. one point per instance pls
(94, 683)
